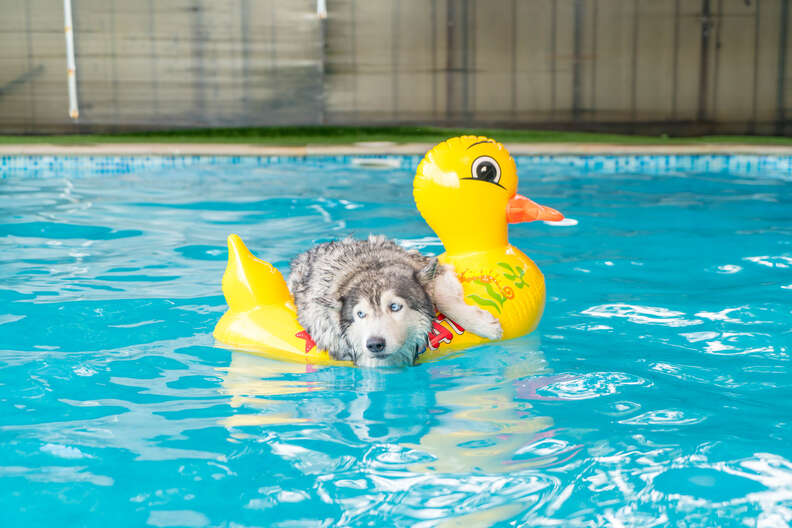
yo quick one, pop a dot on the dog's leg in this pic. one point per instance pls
(449, 298)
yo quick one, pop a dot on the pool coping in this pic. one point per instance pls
(375, 148)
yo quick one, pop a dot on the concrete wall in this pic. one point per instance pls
(160, 63)
(681, 66)
(629, 65)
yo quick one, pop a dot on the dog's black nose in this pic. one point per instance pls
(375, 344)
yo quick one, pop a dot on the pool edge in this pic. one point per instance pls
(221, 149)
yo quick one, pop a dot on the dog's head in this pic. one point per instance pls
(386, 315)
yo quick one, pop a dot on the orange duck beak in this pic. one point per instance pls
(521, 209)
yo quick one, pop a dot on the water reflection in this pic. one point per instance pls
(455, 419)
(437, 441)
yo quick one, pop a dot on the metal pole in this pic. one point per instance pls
(706, 25)
(577, 46)
(71, 68)
(321, 13)
(780, 127)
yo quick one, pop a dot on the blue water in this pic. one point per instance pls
(657, 390)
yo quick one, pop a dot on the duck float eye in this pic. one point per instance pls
(486, 169)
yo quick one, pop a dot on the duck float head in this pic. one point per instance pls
(466, 190)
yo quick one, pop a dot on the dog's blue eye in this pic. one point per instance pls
(395, 307)
(361, 315)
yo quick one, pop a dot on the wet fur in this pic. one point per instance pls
(332, 281)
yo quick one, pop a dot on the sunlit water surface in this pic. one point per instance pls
(657, 389)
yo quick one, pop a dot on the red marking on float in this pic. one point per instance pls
(454, 326)
(309, 342)
(440, 334)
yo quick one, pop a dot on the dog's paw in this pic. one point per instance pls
(487, 325)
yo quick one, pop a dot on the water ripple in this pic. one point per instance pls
(665, 417)
(648, 315)
(591, 385)
(655, 392)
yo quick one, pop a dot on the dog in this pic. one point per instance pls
(372, 302)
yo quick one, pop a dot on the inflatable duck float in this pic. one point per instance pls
(466, 190)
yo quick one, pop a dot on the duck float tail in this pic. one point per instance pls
(249, 281)
(261, 317)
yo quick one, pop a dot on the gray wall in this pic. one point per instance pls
(160, 64)
(681, 66)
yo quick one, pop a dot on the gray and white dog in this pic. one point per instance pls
(373, 302)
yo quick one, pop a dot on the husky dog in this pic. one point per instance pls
(373, 302)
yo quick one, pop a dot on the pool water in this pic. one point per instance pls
(657, 390)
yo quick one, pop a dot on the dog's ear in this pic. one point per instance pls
(428, 272)
(327, 302)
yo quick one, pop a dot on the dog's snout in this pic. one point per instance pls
(375, 344)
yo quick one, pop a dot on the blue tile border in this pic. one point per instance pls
(772, 166)
(738, 164)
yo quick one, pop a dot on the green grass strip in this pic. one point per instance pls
(331, 135)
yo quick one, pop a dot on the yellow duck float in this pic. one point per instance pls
(466, 190)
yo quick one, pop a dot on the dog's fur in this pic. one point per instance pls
(334, 282)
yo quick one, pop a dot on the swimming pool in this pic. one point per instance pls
(657, 389)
